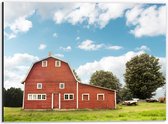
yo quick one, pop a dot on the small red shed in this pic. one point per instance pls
(51, 84)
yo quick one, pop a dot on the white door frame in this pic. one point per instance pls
(59, 101)
(52, 101)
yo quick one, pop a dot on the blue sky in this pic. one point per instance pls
(89, 36)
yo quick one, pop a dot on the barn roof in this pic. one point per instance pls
(98, 87)
(45, 59)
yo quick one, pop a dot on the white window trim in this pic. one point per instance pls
(99, 95)
(36, 96)
(61, 84)
(56, 63)
(39, 84)
(87, 95)
(68, 96)
(28, 98)
(45, 61)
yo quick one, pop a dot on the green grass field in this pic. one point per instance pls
(143, 111)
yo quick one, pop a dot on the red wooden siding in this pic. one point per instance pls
(93, 103)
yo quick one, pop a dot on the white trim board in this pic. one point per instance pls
(59, 104)
(23, 97)
(77, 92)
(52, 101)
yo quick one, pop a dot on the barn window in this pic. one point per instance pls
(85, 97)
(66, 97)
(39, 96)
(44, 63)
(62, 85)
(36, 96)
(39, 85)
(29, 96)
(100, 96)
(69, 96)
(44, 97)
(57, 63)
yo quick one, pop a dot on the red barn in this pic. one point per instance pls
(51, 84)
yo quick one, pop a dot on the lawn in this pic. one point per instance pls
(143, 111)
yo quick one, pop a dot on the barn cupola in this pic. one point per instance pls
(49, 54)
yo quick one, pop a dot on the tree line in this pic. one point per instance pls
(12, 97)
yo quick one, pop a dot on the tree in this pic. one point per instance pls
(143, 76)
(77, 77)
(13, 97)
(125, 94)
(106, 79)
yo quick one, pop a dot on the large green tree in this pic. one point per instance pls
(143, 76)
(106, 79)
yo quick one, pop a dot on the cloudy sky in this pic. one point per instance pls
(90, 36)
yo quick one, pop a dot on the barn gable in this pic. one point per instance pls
(39, 63)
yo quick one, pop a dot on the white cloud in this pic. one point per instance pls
(21, 25)
(114, 47)
(82, 12)
(162, 62)
(10, 36)
(77, 38)
(67, 49)
(96, 14)
(143, 48)
(42, 46)
(111, 11)
(58, 17)
(55, 35)
(160, 92)
(47, 10)
(16, 17)
(59, 55)
(15, 10)
(89, 45)
(132, 14)
(16, 68)
(150, 21)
